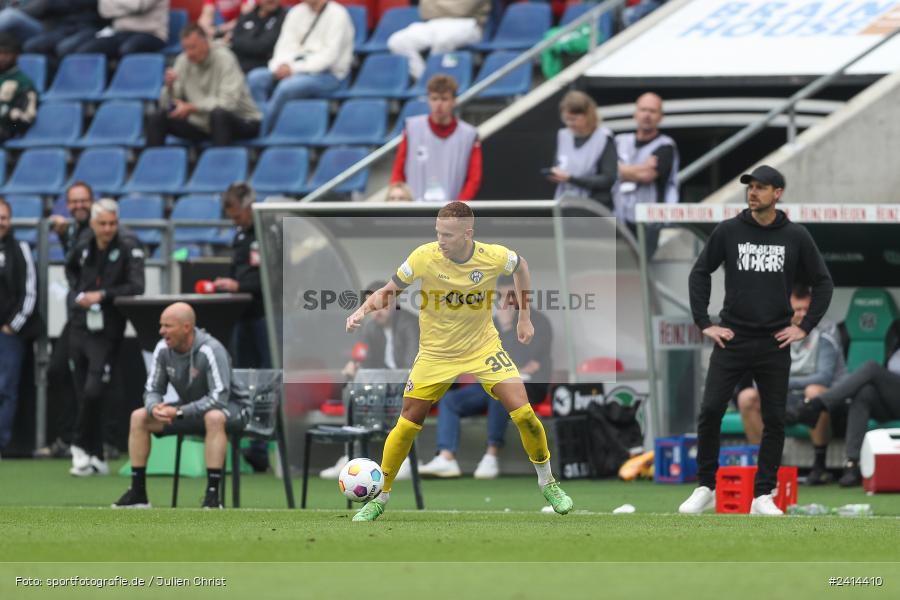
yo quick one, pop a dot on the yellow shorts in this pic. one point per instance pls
(431, 377)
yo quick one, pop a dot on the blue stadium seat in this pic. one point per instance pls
(197, 206)
(143, 206)
(301, 123)
(102, 168)
(281, 170)
(26, 207)
(517, 83)
(605, 22)
(55, 252)
(38, 171)
(412, 108)
(521, 27)
(217, 169)
(159, 171)
(360, 17)
(80, 77)
(336, 160)
(359, 122)
(381, 76)
(457, 64)
(2, 166)
(56, 124)
(35, 66)
(138, 77)
(393, 20)
(178, 18)
(116, 123)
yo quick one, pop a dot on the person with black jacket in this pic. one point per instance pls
(253, 37)
(18, 299)
(107, 265)
(764, 254)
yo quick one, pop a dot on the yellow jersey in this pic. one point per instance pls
(455, 301)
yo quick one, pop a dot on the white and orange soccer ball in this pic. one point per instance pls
(361, 480)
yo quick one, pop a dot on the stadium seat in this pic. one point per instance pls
(102, 168)
(80, 77)
(516, 83)
(870, 317)
(38, 171)
(360, 17)
(217, 169)
(143, 207)
(2, 166)
(605, 22)
(358, 123)
(381, 76)
(159, 171)
(457, 64)
(192, 207)
(521, 27)
(281, 170)
(301, 123)
(35, 66)
(333, 162)
(26, 207)
(138, 77)
(116, 123)
(412, 108)
(394, 20)
(56, 124)
(178, 18)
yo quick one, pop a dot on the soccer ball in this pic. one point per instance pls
(361, 480)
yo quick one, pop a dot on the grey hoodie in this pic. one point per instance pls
(201, 377)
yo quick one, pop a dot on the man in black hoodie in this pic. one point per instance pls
(764, 255)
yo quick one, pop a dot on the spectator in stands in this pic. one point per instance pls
(198, 368)
(471, 400)
(205, 96)
(22, 20)
(79, 198)
(230, 11)
(18, 299)
(398, 192)
(137, 26)
(107, 265)
(312, 57)
(51, 27)
(816, 362)
(439, 156)
(18, 99)
(447, 25)
(586, 161)
(253, 38)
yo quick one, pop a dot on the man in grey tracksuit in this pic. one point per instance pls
(199, 369)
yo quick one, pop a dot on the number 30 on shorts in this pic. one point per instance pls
(498, 361)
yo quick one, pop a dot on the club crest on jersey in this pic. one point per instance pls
(476, 276)
(409, 385)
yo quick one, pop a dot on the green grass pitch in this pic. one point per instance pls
(476, 540)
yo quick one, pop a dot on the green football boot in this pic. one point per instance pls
(557, 498)
(372, 510)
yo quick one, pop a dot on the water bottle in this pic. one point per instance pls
(854, 510)
(807, 509)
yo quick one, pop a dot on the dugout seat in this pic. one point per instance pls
(869, 320)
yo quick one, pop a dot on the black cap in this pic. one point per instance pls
(765, 175)
(10, 43)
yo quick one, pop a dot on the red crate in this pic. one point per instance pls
(734, 488)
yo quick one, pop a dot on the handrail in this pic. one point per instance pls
(590, 17)
(787, 106)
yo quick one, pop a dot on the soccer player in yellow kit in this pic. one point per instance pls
(457, 336)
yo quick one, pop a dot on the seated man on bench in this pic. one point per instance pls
(199, 368)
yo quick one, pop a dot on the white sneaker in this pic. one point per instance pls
(80, 458)
(404, 472)
(440, 467)
(333, 472)
(488, 467)
(95, 466)
(701, 500)
(764, 505)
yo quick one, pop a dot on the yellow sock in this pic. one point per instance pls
(532, 433)
(396, 448)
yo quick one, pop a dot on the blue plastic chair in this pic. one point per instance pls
(301, 123)
(335, 161)
(116, 123)
(178, 18)
(381, 76)
(39, 171)
(56, 124)
(35, 66)
(80, 77)
(102, 168)
(2, 166)
(281, 170)
(516, 83)
(605, 22)
(196, 206)
(393, 20)
(412, 108)
(359, 15)
(217, 169)
(159, 171)
(521, 27)
(456, 64)
(359, 122)
(26, 207)
(143, 206)
(138, 77)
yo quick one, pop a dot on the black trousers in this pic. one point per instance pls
(224, 128)
(91, 358)
(770, 367)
